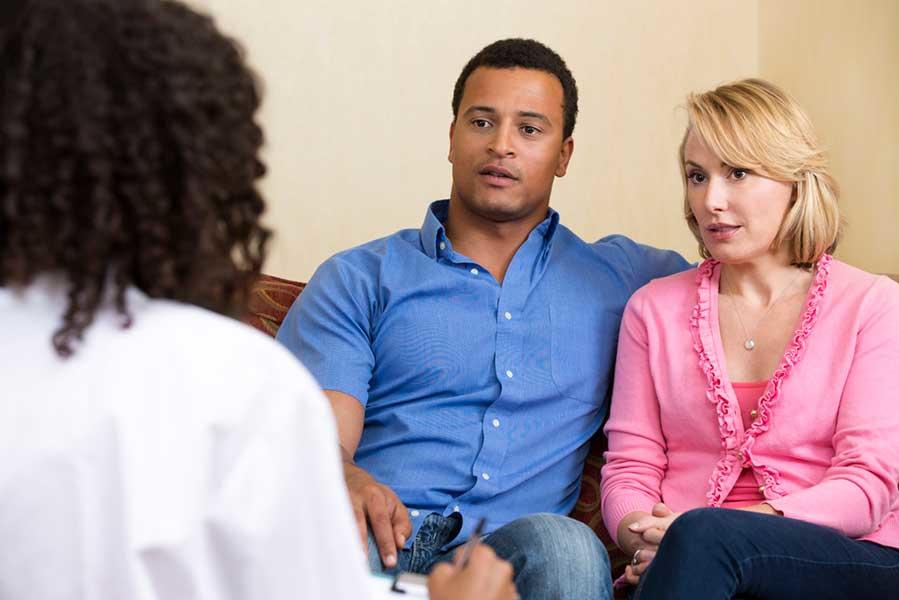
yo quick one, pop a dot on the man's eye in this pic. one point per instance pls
(481, 123)
(529, 130)
(696, 177)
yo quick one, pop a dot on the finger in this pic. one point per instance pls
(499, 575)
(381, 528)
(481, 555)
(643, 524)
(630, 577)
(645, 560)
(402, 526)
(653, 536)
(661, 510)
(361, 524)
(439, 578)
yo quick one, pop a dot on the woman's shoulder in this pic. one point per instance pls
(851, 284)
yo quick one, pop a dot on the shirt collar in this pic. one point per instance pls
(433, 233)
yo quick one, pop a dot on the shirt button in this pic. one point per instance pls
(415, 513)
(456, 508)
(443, 245)
(509, 374)
(753, 413)
(474, 271)
(761, 489)
(486, 476)
(741, 456)
(508, 316)
(496, 422)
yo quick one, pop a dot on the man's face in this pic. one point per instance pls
(506, 143)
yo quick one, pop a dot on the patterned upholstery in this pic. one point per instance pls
(270, 299)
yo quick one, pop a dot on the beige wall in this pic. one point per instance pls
(840, 59)
(357, 107)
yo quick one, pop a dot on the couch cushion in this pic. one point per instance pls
(270, 299)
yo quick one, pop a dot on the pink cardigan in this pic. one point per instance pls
(824, 447)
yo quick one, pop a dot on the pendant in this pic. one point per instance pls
(749, 344)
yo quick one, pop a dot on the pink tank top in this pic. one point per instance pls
(746, 490)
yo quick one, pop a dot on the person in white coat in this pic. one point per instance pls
(152, 447)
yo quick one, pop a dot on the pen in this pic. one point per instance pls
(472, 542)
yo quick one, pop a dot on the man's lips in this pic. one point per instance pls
(497, 176)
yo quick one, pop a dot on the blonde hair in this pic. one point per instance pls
(755, 125)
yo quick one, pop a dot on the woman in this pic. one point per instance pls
(150, 447)
(760, 386)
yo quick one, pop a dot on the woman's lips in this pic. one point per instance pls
(721, 233)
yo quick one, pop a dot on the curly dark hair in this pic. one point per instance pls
(525, 54)
(128, 157)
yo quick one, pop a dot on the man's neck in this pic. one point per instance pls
(492, 244)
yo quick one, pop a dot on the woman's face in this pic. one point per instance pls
(739, 212)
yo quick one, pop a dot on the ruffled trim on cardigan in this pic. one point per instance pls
(703, 344)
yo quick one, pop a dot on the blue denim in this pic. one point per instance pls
(554, 557)
(717, 553)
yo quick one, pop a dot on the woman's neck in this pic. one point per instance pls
(764, 280)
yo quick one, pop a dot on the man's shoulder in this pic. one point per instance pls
(368, 259)
(625, 257)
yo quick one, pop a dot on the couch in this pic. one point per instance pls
(272, 297)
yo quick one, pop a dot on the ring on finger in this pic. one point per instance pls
(636, 557)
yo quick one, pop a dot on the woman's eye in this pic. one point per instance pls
(740, 173)
(696, 177)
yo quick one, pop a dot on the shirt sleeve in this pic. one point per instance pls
(646, 262)
(267, 516)
(636, 459)
(860, 488)
(329, 326)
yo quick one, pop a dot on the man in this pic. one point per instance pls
(468, 362)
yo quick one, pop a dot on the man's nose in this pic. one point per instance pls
(502, 141)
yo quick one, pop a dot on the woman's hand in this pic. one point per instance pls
(652, 528)
(633, 572)
(639, 536)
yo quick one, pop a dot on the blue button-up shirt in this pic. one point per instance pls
(480, 397)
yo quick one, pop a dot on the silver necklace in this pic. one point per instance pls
(749, 343)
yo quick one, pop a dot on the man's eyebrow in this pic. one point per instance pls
(492, 111)
(480, 109)
(535, 115)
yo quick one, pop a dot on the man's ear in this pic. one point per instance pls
(565, 156)
(449, 155)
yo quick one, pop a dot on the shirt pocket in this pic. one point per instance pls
(583, 347)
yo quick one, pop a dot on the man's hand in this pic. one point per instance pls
(377, 506)
(485, 577)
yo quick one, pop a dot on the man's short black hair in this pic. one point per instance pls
(525, 54)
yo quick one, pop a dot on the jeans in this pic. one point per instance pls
(717, 553)
(552, 556)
